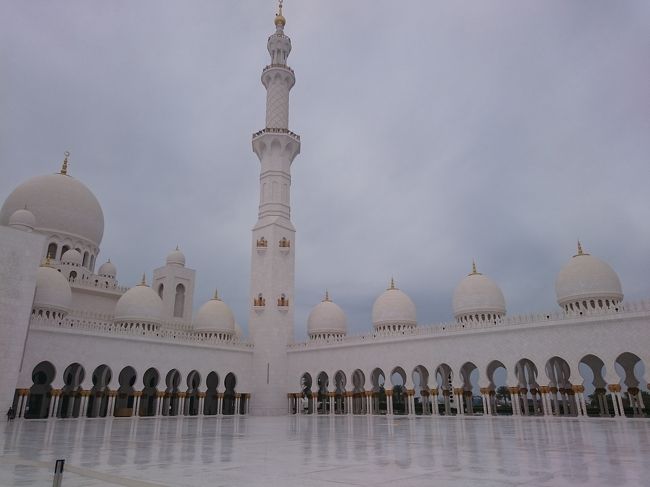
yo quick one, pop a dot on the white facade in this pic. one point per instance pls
(75, 343)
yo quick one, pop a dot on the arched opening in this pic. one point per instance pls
(340, 406)
(70, 401)
(229, 395)
(40, 393)
(528, 396)
(92, 262)
(498, 393)
(72, 276)
(400, 403)
(211, 401)
(170, 403)
(592, 370)
(444, 378)
(561, 390)
(84, 263)
(64, 249)
(631, 369)
(379, 404)
(179, 301)
(51, 251)
(192, 397)
(358, 392)
(469, 376)
(149, 398)
(161, 288)
(422, 396)
(125, 393)
(99, 394)
(305, 402)
(322, 398)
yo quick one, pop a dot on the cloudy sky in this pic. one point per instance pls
(433, 133)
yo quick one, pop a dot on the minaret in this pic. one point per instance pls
(272, 261)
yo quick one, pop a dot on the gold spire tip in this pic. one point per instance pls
(327, 295)
(580, 252)
(392, 284)
(279, 18)
(64, 166)
(474, 271)
(143, 282)
(216, 295)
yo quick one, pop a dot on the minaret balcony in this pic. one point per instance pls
(283, 66)
(269, 130)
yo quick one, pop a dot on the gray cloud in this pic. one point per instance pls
(433, 133)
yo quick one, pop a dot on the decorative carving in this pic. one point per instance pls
(284, 243)
(259, 300)
(262, 243)
(283, 301)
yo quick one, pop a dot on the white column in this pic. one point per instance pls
(220, 404)
(84, 406)
(21, 404)
(237, 399)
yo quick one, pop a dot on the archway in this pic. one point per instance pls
(125, 393)
(40, 393)
(379, 404)
(358, 392)
(211, 401)
(322, 398)
(192, 395)
(469, 376)
(498, 392)
(149, 399)
(528, 394)
(99, 394)
(631, 369)
(422, 397)
(399, 397)
(444, 378)
(170, 403)
(340, 406)
(561, 389)
(592, 370)
(70, 401)
(229, 395)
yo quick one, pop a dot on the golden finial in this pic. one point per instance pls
(327, 295)
(216, 295)
(47, 262)
(279, 18)
(176, 248)
(580, 250)
(109, 260)
(143, 282)
(392, 284)
(474, 271)
(64, 167)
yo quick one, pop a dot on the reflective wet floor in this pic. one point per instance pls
(324, 451)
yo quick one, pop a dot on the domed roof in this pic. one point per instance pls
(587, 277)
(393, 307)
(61, 205)
(327, 317)
(139, 304)
(477, 293)
(215, 316)
(52, 290)
(107, 269)
(22, 219)
(176, 257)
(72, 256)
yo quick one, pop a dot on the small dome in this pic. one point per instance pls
(140, 304)
(393, 308)
(478, 294)
(72, 257)
(22, 219)
(107, 269)
(327, 318)
(61, 205)
(215, 316)
(52, 290)
(176, 257)
(586, 277)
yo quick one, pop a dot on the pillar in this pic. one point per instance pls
(434, 402)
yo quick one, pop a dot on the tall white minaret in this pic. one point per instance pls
(272, 261)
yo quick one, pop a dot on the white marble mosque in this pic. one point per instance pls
(75, 343)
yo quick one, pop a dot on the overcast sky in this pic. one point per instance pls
(433, 133)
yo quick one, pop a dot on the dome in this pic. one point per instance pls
(586, 277)
(478, 294)
(72, 257)
(61, 205)
(140, 304)
(176, 257)
(23, 219)
(393, 308)
(215, 316)
(107, 269)
(327, 318)
(52, 290)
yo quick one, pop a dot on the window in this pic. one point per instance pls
(51, 251)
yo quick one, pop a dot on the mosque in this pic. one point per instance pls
(75, 343)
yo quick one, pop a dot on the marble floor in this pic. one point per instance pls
(324, 451)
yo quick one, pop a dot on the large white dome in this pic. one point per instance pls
(176, 257)
(327, 318)
(61, 205)
(215, 316)
(586, 277)
(52, 290)
(393, 309)
(478, 295)
(140, 304)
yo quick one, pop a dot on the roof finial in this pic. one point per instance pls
(327, 295)
(64, 167)
(392, 283)
(474, 271)
(177, 247)
(280, 21)
(47, 261)
(580, 252)
(143, 282)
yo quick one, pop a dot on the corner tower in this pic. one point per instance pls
(273, 245)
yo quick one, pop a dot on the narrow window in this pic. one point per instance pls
(179, 301)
